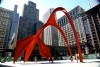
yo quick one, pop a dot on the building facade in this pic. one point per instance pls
(91, 21)
(93, 3)
(8, 30)
(50, 33)
(28, 20)
(65, 26)
(39, 24)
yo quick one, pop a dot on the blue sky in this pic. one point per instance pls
(44, 5)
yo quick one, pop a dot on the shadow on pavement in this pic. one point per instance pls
(5, 66)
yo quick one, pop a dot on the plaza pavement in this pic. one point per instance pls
(57, 63)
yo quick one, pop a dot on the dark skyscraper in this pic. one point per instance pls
(28, 20)
(93, 3)
(38, 25)
(91, 21)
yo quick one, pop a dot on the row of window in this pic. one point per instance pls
(73, 13)
(5, 14)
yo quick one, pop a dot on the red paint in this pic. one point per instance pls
(29, 42)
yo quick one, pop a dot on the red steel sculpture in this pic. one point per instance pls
(27, 44)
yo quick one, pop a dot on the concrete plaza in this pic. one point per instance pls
(58, 63)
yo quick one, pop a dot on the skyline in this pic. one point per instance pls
(81, 31)
(44, 5)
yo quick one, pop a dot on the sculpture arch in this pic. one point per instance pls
(29, 42)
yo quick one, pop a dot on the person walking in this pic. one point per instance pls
(35, 59)
(50, 59)
(71, 58)
(77, 57)
(5, 59)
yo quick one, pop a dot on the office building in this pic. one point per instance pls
(65, 26)
(35, 52)
(91, 21)
(29, 24)
(50, 32)
(28, 20)
(8, 30)
(93, 3)
(39, 24)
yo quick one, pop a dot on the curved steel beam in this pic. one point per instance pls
(28, 42)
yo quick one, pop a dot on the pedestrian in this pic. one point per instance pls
(77, 57)
(5, 59)
(50, 59)
(71, 58)
(35, 59)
